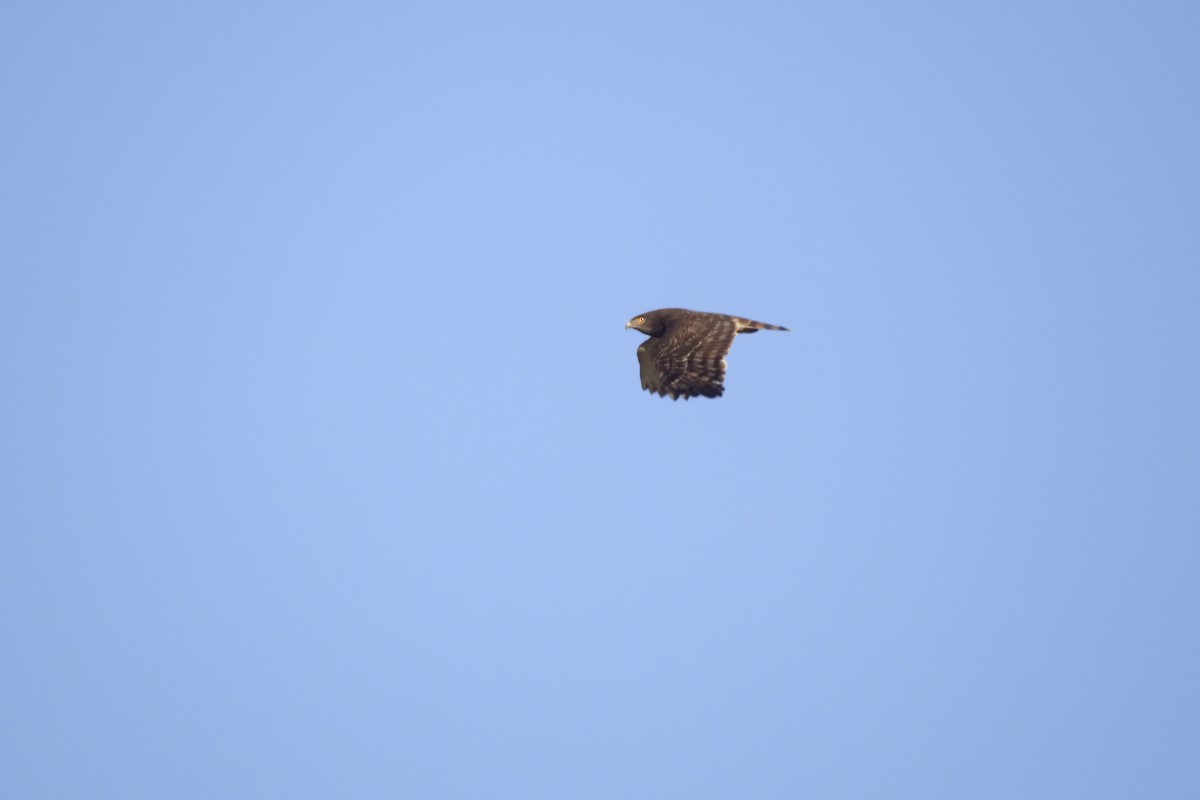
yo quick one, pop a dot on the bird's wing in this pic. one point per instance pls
(689, 359)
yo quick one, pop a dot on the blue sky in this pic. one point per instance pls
(325, 467)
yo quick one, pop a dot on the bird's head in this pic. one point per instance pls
(647, 323)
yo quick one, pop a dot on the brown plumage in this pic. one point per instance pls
(685, 354)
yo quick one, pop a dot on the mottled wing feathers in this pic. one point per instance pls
(689, 359)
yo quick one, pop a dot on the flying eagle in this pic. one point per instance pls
(685, 354)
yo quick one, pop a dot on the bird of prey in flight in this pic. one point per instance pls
(685, 354)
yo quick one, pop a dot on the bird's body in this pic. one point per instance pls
(685, 354)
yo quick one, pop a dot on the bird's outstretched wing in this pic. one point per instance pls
(688, 360)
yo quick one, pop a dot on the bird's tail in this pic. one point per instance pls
(751, 326)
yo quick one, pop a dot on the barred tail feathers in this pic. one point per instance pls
(752, 326)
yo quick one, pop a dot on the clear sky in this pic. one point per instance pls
(325, 470)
